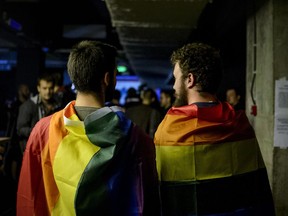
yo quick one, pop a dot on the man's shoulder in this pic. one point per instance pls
(30, 101)
(28, 105)
(45, 121)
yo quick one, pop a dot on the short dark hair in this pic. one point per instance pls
(203, 61)
(149, 93)
(235, 88)
(88, 62)
(117, 94)
(46, 76)
(168, 92)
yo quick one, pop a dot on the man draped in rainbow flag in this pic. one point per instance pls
(88, 159)
(207, 155)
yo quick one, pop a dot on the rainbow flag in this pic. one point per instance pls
(209, 163)
(103, 165)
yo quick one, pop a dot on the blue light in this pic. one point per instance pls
(2, 61)
(45, 49)
(14, 24)
(128, 78)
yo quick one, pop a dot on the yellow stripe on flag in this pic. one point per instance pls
(207, 161)
(70, 161)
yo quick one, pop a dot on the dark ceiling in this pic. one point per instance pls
(144, 31)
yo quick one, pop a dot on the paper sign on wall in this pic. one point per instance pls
(281, 114)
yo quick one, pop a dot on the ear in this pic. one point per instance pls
(38, 88)
(106, 79)
(190, 80)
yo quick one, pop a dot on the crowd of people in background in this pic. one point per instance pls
(20, 114)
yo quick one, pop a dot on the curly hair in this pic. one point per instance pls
(203, 61)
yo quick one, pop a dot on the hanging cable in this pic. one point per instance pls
(251, 90)
(254, 107)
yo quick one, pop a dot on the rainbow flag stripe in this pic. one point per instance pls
(71, 167)
(209, 163)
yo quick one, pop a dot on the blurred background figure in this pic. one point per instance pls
(115, 100)
(132, 98)
(63, 94)
(233, 97)
(7, 187)
(23, 94)
(37, 107)
(13, 156)
(146, 115)
(3, 114)
(10, 152)
(166, 100)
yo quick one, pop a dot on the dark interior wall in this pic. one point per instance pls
(223, 25)
(7, 84)
(234, 61)
(30, 63)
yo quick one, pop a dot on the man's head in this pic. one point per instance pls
(116, 97)
(23, 92)
(149, 96)
(166, 98)
(197, 66)
(45, 86)
(232, 96)
(92, 68)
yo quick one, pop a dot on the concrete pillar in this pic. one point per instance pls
(267, 61)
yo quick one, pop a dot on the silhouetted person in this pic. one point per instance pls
(166, 100)
(8, 187)
(3, 115)
(115, 101)
(62, 94)
(14, 153)
(132, 98)
(144, 114)
(233, 97)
